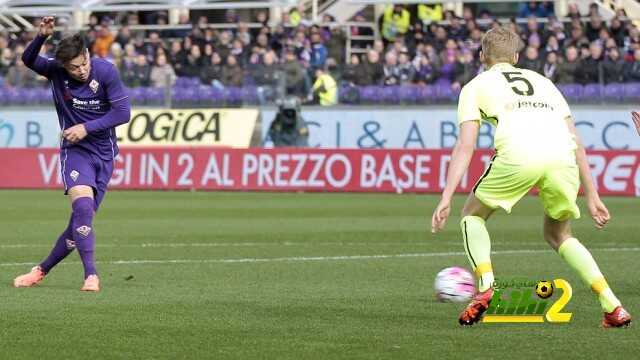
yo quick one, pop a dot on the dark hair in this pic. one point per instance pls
(70, 48)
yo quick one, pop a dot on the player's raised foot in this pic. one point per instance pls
(478, 305)
(619, 317)
(29, 279)
(91, 283)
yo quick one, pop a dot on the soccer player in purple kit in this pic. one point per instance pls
(90, 101)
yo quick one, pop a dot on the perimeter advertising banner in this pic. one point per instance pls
(189, 127)
(419, 171)
(148, 127)
(434, 127)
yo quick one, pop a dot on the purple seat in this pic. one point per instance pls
(444, 91)
(632, 91)
(572, 92)
(591, 93)
(614, 92)
(31, 96)
(390, 94)
(426, 94)
(43, 95)
(185, 96)
(183, 82)
(137, 95)
(370, 94)
(250, 94)
(154, 95)
(409, 94)
(232, 95)
(16, 96)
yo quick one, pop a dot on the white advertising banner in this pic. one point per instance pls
(600, 127)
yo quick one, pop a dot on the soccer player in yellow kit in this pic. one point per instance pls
(536, 146)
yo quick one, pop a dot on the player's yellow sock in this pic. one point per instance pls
(477, 245)
(580, 259)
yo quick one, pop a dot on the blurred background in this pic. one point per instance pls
(350, 74)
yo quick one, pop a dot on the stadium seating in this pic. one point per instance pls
(186, 93)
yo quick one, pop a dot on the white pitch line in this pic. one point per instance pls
(314, 258)
(258, 244)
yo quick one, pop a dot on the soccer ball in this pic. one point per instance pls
(544, 289)
(454, 284)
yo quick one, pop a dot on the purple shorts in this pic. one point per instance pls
(80, 167)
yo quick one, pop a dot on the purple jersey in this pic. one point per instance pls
(101, 103)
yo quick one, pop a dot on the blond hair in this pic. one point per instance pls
(500, 45)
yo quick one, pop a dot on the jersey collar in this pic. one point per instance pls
(501, 66)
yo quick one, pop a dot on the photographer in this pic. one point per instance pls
(289, 128)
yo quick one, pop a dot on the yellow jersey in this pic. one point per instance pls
(527, 110)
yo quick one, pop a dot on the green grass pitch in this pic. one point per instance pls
(291, 276)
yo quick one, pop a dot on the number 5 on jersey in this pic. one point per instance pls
(516, 77)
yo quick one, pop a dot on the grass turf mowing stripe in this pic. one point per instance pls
(314, 258)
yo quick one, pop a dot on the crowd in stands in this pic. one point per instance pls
(419, 45)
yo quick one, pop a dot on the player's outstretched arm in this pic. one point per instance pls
(636, 119)
(597, 209)
(30, 55)
(460, 159)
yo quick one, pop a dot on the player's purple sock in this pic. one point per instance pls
(62, 248)
(83, 233)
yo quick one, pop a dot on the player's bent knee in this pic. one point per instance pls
(474, 207)
(83, 206)
(556, 232)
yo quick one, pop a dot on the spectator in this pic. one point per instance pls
(212, 73)
(550, 68)
(162, 74)
(21, 76)
(617, 31)
(325, 89)
(124, 36)
(243, 34)
(139, 74)
(468, 68)
(405, 69)
(116, 55)
(177, 57)
(232, 73)
(193, 62)
(590, 70)
(336, 45)
(208, 51)
(594, 27)
(6, 61)
(391, 69)
(573, 11)
(449, 70)
(103, 42)
(429, 13)
(238, 50)
(154, 43)
(318, 52)
(531, 60)
(568, 69)
(294, 74)
(456, 31)
(373, 69)
(425, 72)
(632, 70)
(613, 67)
(395, 22)
(552, 45)
(267, 77)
